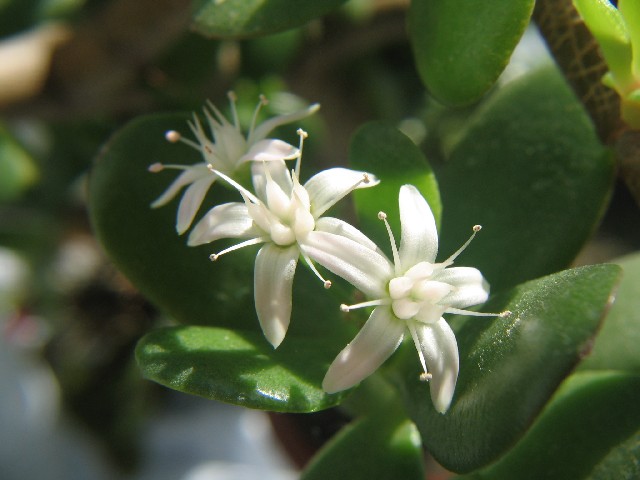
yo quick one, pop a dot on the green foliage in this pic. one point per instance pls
(17, 168)
(462, 46)
(242, 18)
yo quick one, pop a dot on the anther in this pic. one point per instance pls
(172, 136)
(213, 257)
(155, 167)
(231, 95)
(211, 168)
(344, 308)
(382, 216)
(425, 377)
(365, 178)
(477, 228)
(263, 100)
(302, 133)
(327, 284)
(506, 313)
(207, 149)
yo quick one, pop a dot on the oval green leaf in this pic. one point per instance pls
(239, 367)
(389, 154)
(462, 46)
(249, 18)
(511, 366)
(530, 170)
(586, 431)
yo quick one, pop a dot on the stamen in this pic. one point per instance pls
(302, 135)
(471, 313)
(327, 283)
(370, 303)
(449, 261)
(243, 191)
(233, 98)
(414, 334)
(158, 167)
(396, 257)
(155, 167)
(196, 129)
(254, 241)
(261, 103)
(172, 136)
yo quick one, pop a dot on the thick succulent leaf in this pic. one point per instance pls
(589, 430)
(239, 367)
(461, 47)
(617, 346)
(390, 155)
(511, 366)
(383, 446)
(532, 172)
(247, 18)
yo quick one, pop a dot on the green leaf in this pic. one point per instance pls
(239, 367)
(531, 170)
(617, 345)
(462, 46)
(608, 27)
(589, 430)
(381, 446)
(17, 168)
(390, 155)
(248, 18)
(509, 366)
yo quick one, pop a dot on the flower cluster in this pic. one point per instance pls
(287, 218)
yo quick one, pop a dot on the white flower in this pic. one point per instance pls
(281, 214)
(227, 150)
(411, 293)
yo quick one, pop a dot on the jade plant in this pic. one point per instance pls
(410, 259)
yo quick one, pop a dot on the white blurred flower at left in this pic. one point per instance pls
(226, 148)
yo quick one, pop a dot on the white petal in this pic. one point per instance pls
(265, 127)
(376, 341)
(440, 350)
(279, 173)
(470, 286)
(187, 176)
(419, 241)
(366, 269)
(274, 271)
(191, 201)
(340, 227)
(329, 186)
(269, 150)
(228, 220)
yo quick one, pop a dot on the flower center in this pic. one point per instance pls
(415, 295)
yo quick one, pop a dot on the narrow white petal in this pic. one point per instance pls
(191, 201)
(277, 170)
(269, 150)
(228, 220)
(185, 178)
(366, 269)
(440, 350)
(376, 341)
(470, 287)
(273, 280)
(419, 241)
(329, 186)
(340, 227)
(265, 127)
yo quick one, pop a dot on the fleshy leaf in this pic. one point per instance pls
(248, 18)
(617, 345)
(239, 367)
(461, 47)
(531, 170)
(17, 169)
(390, 155)
(509, 366)
(589, 430)
(383, 446)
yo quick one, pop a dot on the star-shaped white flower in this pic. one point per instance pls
(281, 214)
(226, 150)
(410, 293)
